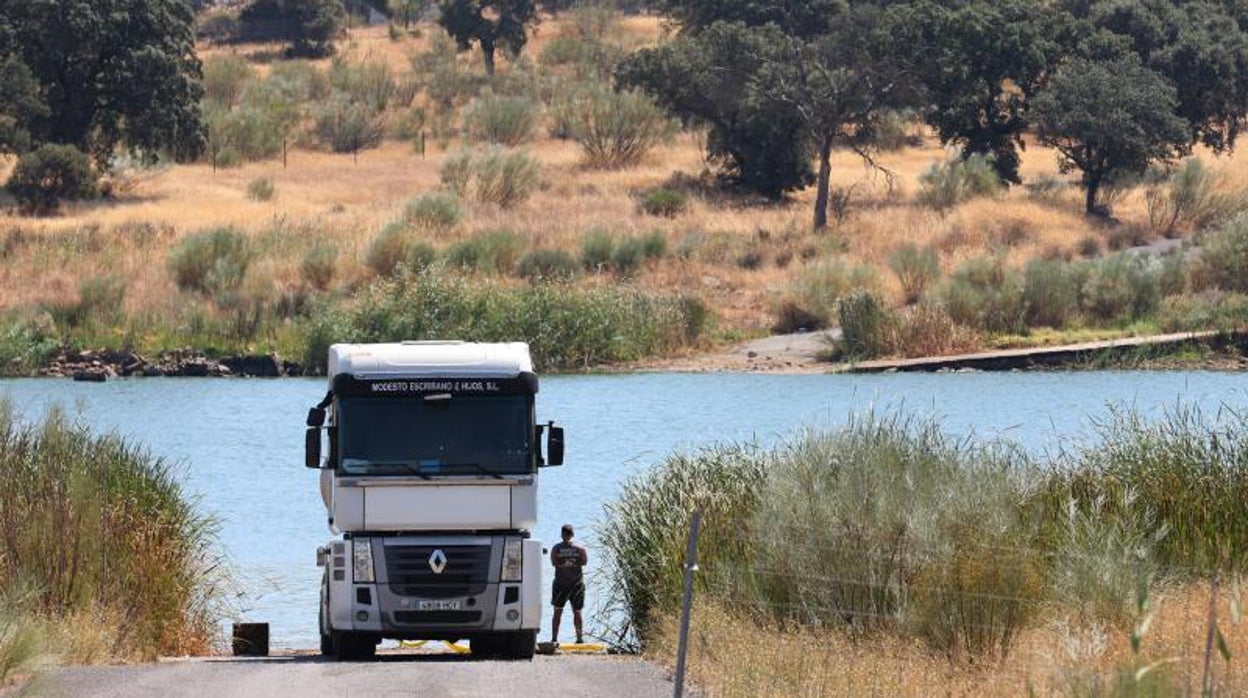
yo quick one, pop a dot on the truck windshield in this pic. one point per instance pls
(430, 437)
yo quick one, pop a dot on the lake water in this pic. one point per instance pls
(239, 442)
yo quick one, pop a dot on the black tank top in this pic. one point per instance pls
(567, 563)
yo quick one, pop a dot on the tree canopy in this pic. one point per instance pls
(1109, 119)
(105, 73)
(491, 24)
(310, 26)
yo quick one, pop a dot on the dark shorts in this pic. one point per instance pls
(560, 594)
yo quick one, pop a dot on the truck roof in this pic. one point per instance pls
(430, 358)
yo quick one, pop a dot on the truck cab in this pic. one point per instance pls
(430, 488)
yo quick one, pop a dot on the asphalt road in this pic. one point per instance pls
(391, 675)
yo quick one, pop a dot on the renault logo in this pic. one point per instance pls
(437, 561)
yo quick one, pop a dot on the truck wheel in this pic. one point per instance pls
(521, 645)
(352, 647)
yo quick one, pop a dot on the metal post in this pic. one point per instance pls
(691, 566)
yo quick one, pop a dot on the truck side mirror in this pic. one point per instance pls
(554, 445)
(316, 417)
(312, 448)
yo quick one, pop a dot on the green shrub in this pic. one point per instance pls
(26, 343)
(98, 297)
(100, 529)
(547, 265)
(866, 327)
(628, 255)
(1224, 256)
(1051, 292)
(1121, 288)
(654, 245)
(493, 252)
(247, 133)
(211, 262)
(916, 268)
(390, 248)
(664, 202)
(503, 177)
(225, 76)
(318, 266)
(300, 81)
(1209, 310)
(986, 294)
(502, 120)
(810, 302)
(347, 127)
(495, 175)
(369, 83)
(1184, 199)
(597, 249)
(435, 210)
(566, 327)
(456, 172)
(614, 129)
(958, 179)
(50, 174)
(261, 189)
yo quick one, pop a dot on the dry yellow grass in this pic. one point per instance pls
(733, 656)
(747, 255)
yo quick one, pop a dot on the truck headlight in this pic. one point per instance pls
(513, 560)
(362, 559)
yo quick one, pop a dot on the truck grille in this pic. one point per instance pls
(437, 617)
(465, 574)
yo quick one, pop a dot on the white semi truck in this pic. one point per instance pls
(430, 484)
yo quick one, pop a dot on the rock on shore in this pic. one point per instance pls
(100, 365)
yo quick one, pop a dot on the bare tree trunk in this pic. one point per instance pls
(1093, 187)
(487, 51)
(821, 186)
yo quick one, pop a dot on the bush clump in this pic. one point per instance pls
(958, 179)
(396, 245)
(318, 266)
(986, 294)
(348, 127)
(614, 129)
(916, 268)
(211, 262)
(810, 302)
(1122, 288)
(496, 175)
(1224, 256)
(547, 265)
(866, 326)
(434, 210)
(665, 202)
(1052, 292)
(261, 189)
(501, 120)
(50, 174)
(566, 327)
(493, 252)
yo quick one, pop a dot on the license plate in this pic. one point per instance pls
(438, 605)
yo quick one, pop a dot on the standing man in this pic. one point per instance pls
(569, 560)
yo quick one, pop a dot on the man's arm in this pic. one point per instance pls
(554, 561)
(584, 555)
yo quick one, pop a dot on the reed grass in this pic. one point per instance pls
(95, 527)
(888, 530)
(567, 328)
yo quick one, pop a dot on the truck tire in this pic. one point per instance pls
(521, 645)
(353, 647)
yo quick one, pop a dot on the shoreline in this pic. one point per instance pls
(792, 354)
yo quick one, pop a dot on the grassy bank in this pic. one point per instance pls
(887, 556)
(306, 226)
(102, 556)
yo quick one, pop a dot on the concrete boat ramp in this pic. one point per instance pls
(1010, 359)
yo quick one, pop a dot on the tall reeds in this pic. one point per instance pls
(887, 526)
(94, 527)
